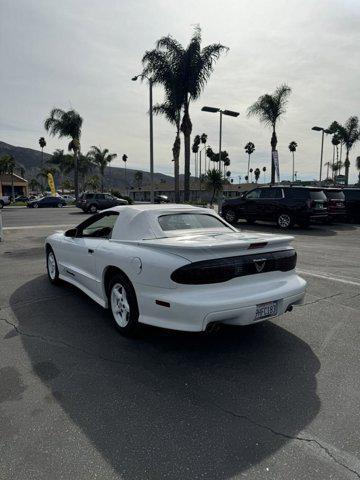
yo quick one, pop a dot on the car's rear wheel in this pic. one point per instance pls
(123, 304)
(52, 268)
(92, 209)
(36, 205)
(231, 216)
(284, 221)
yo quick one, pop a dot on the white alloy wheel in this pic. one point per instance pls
(60, 205)
(36, 205)
(51, 265)
(93, 209)
(284, 220)
(119, 305)
(230, 216)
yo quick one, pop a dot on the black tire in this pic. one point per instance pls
(36, 205)
(230, 216)
(1, 204)
(284, 220)
(92, 208)
(250, 221)
(132, 324)
(53, 276)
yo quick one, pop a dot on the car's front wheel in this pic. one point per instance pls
(51, 266)
(123, 304)
(92, 209)
(231, 216)
(284, 221)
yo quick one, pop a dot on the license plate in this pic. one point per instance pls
(264, 310)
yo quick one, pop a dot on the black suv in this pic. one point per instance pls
(92, 202)
(352, 203)
(283, 205)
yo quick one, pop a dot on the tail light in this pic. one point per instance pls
(224, 269)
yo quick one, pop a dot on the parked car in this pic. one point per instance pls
(68, 198)
(92, 202)
(336, 204)
(352, 203)
(148, 274)
(161, 199)
(47, 202)
(4, 200)
(284, 205)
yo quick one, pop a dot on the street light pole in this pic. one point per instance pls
(150, 80)
(323, 131)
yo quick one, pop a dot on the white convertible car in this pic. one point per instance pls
(177, 267)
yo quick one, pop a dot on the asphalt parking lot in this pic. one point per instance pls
(280, 400)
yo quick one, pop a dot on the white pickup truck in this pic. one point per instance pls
(4, 201)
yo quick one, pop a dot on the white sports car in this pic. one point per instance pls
(177, 267)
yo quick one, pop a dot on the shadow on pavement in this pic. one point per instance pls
(166, 404)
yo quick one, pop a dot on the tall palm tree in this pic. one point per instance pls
(172, 112)
(292, 147)
(214, 182)
(249, 149)
(92, 183)
(269, 108)
(264, 170)
(349, 134)
(124, 158)
(251, 172)
(102, 158)
(203, 138)
(195, 149)
(42, 144)
(67, 124)
(257, 174)
(184, 73)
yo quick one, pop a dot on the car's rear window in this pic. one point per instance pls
(317, 195)
(190, 221)
(335, 195)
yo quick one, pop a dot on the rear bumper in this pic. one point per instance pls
(194, 307)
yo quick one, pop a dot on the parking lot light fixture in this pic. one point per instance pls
(322, 130)
(229, 113)
(151, 131)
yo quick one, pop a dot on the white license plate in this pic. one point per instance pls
(264, 310)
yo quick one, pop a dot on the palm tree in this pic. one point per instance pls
(63, 163)
(251, 172)
(257, 174)
(8, 165)
(264, 170)
(203, 138)
(43, 175)
(292, 147)
(195, 149)
(67, 124)
(124, 159)
(172, 112)
(269, 108)
(184, 73)
(349, 134)
(335, 141)
(102, 158)
(249, 149)
(214, 182)
(42, 144)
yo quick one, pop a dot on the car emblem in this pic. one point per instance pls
(259, 264)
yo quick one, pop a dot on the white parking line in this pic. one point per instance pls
(326, 276)
(36, 226)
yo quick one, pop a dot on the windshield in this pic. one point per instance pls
(335, 195)
(190, 221)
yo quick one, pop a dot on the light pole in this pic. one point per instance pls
(323, 130)
(142, 76)
(230, 113)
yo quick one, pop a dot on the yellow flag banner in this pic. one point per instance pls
(51, 184)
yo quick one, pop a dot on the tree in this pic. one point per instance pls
(63, 163)
(138, 177)
(264, 170)
(171, 110)
(34, 185)
(249, 149)
(124, 158)
(214, 182)
(292, 147)
(42, 144)
(101, 158)
(269, 108)
(335, 142)
(257, 174)
(251, 172)
(349, 134)
(67, 124)
(203, 138)
(184, 73)
(195, 149)
(92, 183)
(7, 165)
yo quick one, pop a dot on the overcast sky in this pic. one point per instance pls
(82, 54)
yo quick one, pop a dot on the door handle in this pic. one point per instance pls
(90, 250)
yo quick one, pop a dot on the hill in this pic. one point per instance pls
(30, 160)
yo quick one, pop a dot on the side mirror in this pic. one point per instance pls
(71, 233)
